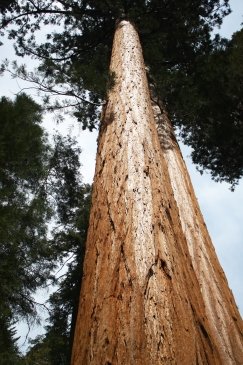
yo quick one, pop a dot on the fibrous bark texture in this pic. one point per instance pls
(153, 291)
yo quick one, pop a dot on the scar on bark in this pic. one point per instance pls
(123, 256)
(162, 265)
(148, 276)
(111, 220)
(202, 329)
(107, 117)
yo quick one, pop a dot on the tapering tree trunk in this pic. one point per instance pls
(221, 310)
(153, 291)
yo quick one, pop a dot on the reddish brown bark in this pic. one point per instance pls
(153, 291)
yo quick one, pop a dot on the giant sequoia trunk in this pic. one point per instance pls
(153, 291)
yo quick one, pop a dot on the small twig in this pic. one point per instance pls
(69, 258)
(44, 88)
(28, 332)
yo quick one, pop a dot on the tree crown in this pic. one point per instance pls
(179, 52)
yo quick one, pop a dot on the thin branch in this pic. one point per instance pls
(34, 302)
(33, 4)
(28, 332)
(10, 20)
(59, 107)
(46, 89)
(69, 258)
(46, 57)
(39, 11)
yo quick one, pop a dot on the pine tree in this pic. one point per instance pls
(39, 183)
(8, 347)
(54, 347)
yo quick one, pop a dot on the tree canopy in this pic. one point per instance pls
(208, 110)
(40, 183)
(196, 75)
(54, 347)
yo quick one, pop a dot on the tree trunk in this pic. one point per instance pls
(153, 291)
(221, 310)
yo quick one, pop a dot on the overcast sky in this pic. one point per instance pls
(222, 209)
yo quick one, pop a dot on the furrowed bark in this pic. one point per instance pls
(220, 306)
(142, 301)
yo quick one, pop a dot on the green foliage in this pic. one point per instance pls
(23, 246)
(9, 354)
(55, 345)
(39, 353)
(39, 184)
(177, 45)
(6, 5)
(209, 111)
(77, 52)
(23, 212)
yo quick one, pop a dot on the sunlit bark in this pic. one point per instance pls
(153, 291)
